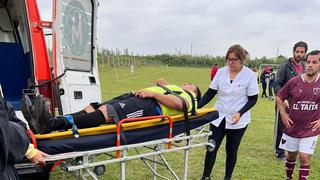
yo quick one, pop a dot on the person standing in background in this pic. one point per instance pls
(272, 77)
(214, 71)
(293, 67)
(263, 78)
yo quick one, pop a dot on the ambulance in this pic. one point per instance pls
(67, 75)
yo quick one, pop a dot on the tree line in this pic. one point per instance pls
(117, 57)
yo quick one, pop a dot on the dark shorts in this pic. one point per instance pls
(130, 106)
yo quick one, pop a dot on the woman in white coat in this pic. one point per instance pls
(237, 90)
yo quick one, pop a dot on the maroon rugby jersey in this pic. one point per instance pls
(304, 100)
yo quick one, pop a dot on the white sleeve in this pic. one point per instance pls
(253, 87)
(214, 83)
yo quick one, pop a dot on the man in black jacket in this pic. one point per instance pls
(293, 67)
(14, 142)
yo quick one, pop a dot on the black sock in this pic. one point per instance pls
(59, 123)
(77, 114)
(88, 120)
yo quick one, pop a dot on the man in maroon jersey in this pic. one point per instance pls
(302, 123)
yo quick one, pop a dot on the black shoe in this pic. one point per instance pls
(42, 115)
(26, 107)
(271, 98)
(27, 111)
(281, 156)
(225, 178)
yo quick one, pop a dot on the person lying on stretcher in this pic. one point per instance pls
(156, 100)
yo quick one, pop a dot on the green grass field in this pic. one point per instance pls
(256, 154)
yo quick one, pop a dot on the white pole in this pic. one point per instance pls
(123, 166)
(116, 72)
(115, 69)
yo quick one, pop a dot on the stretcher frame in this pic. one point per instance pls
(85, 165)
(82, 169)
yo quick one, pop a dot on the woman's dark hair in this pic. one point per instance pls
(239, 51)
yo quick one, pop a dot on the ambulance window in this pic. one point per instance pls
(77, 34)
(6, 31)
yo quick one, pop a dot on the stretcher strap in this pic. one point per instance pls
(122, 135)
(193, 110)
(159, 112)
(184, 108)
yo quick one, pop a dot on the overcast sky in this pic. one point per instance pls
(209, 26)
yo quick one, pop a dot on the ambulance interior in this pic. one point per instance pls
(16, 67)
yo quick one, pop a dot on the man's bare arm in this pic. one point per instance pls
(168, 101)
(284, 115)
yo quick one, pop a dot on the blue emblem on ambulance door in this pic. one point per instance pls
(76, 28)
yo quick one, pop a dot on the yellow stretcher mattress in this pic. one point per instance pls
(111, 128)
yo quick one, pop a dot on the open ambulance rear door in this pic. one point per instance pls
(24, 62)
(75, 52)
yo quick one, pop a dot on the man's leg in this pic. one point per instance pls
(104, 110)
(93, 107)
(234, 137)
(89, 109)
(278, 131)
(218, 134)
(264, 87)
(87, 120)
(47, 123)
(290, 164)
(304, 165)
(270, 89)
(307, 147)
(290, 144)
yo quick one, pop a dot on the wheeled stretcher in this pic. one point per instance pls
(76, 153)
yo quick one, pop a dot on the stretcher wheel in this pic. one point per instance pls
(212, 145)
(99, 170)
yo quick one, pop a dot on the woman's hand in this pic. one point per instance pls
(235, 118)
